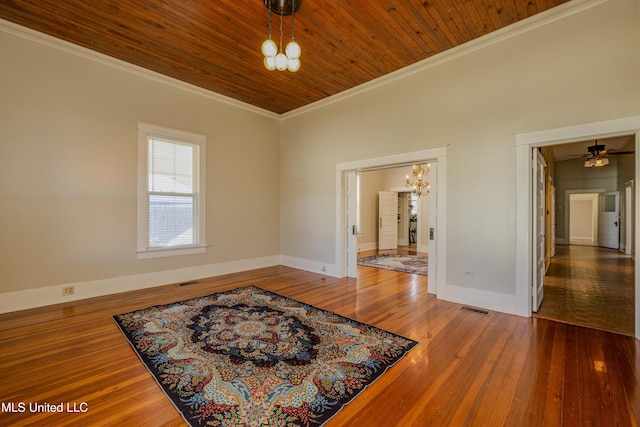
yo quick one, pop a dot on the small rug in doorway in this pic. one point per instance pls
(397, 262)
(251, 357)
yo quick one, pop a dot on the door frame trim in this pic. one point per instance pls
(439, 155)
(524, 143)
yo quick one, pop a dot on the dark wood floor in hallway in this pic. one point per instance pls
(467, 370)
(588, 285)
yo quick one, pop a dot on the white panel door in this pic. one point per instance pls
(433, 227)
(387, 220)
(609, 220)
(553, 221)
(538, 229)
(352, 231)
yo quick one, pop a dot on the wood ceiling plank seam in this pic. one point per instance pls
(337, 45)
(405, 31)
(461, 20)
(479, 14)
(351, 51)
(375, 38)
(49, 21)
(315, 40)
(435, 35)
(370, 47)
(510, 13)
(253, 29)
(465, 9)
(195, 66)
(493, 15)
(416, 33)
(533, 8)
(217, 42)
(542, 4)
(447, 16)
(522, 9)
(449, 38)
(426, 28)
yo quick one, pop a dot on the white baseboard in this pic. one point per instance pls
(39, 297)
(309, 265)
(582, 241)
(367, 246)
(495, 301)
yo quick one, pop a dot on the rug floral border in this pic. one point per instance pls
(303, 368)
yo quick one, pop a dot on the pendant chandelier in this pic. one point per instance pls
(419, 185)
(274, 57)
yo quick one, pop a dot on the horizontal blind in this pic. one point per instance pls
(173, 193)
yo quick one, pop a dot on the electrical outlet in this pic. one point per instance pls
(68, 290)
(324, 268)
(468, 273)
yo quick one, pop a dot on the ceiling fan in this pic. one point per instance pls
(598, 155)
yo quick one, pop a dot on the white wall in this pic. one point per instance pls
(579, 69)
(68, 147)
(582, 225)
(572, 177)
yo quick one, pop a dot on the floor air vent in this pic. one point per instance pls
(475, 310)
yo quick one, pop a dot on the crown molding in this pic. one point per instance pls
(541, 19)
(529, 24)
(53, 42)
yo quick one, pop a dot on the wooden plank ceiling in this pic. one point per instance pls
(215, 44)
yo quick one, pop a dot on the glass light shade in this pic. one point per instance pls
(294, 65)
(269, 48)
(293, 50)
(601, 162)
(281, 61)
(270, 62)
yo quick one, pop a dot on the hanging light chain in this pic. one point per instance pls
(277, 57)
(293, 19)
(280, 48)
(270, 20)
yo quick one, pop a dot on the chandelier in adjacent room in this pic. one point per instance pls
(274, 57)
(419, 184)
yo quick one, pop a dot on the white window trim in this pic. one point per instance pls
(144, 130)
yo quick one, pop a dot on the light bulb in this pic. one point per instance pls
(281, 61)
(293, 50)
(269, 48)
(270, 62)
(294, 65)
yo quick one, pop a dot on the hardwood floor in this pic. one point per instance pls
(468, 370)
(588, 285)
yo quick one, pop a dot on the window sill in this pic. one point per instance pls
(165, 252)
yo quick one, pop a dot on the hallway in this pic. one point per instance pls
(591, 286)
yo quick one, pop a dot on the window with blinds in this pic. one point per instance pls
(171, 210)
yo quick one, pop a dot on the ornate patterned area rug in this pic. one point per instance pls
(397, 262)
(251, 357)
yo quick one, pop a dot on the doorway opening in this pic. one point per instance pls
(389, 214)
(594, 254)
(583, 219)
(347, 220)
